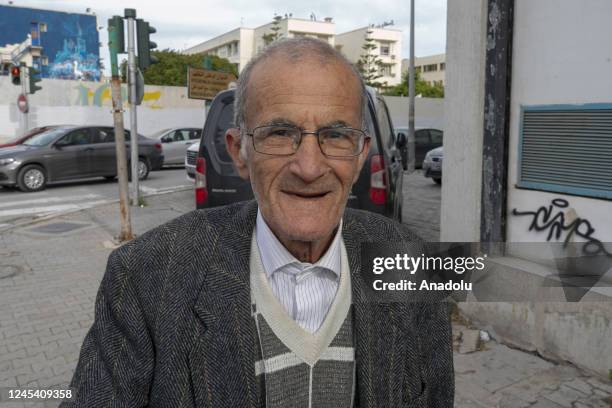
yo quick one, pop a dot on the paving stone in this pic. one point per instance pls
(580, 385)
(565, 396)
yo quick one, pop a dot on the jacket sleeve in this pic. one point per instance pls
(437, 355)
(116, 361)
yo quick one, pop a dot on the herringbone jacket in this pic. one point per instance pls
(173, 326)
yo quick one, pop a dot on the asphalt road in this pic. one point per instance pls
(17, 207)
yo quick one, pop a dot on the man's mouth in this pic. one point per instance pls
(307, 195)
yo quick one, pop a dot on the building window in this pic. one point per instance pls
(566, 149)
(385, 70)
(385, 49)
(430, 68)
(42, 27)
(418, 69)
(442, 66)
(44, 60)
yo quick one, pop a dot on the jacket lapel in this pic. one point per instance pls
(222, 357)
(380, 338)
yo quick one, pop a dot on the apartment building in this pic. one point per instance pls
(388, 49)
(431, 68)
(241, 44)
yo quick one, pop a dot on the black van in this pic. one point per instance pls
(378, 189)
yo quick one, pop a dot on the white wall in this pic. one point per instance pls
(76, 102)
(428, 112)
(564, 58)
(464, 118)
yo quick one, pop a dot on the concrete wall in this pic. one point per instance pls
(544, 72)
(76, 102)
(428, 112)
(463, 115)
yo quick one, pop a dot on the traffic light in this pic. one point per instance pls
(15, 75)
(33, 78)
(115, 35)
(143, 30)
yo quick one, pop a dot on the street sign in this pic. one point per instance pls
(205, 84)
(22, 103)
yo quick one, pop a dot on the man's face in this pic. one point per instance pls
(301, 197)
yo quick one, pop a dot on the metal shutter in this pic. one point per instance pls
(567, 149)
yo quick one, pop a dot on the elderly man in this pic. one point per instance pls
(261, 304)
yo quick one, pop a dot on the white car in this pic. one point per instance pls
(175, 142)
(432, 164)
(190, 160)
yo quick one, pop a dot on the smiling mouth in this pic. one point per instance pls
(305, 195)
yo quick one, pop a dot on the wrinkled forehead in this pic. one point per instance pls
(281, 85)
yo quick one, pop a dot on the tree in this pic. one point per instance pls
(172, 67)
(269, 38)
(421, 87)
(369, 64)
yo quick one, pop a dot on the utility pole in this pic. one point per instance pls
(24, 92)
(116, 45)
(411, 94)
(130, 15)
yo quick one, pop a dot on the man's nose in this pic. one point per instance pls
(308, 162)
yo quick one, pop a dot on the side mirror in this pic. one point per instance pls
(401, 141)
(59, 144)
(166, 139)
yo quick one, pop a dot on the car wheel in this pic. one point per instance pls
(143, 169)
(438, 180)
(32, 178)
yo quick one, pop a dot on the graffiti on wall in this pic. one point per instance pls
(101, 96)
(555, 220)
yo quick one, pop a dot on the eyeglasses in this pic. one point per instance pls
(284, 140)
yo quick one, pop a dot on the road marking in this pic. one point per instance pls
(50, 200)
(48, 209)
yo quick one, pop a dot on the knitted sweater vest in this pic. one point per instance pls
(293, 367)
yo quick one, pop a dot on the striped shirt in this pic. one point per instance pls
(305, 290)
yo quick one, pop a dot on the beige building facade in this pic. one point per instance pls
(432, 68)
(242, 44)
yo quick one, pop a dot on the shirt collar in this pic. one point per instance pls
(275, 256)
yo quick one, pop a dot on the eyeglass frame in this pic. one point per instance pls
(302, 133)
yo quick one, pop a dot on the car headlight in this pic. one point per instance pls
(4, 162)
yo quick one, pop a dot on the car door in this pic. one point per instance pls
(103, 155)
(436, 138)
(70, 157)
(175, 146)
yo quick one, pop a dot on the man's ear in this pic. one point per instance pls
(362, 158)
(233, 144)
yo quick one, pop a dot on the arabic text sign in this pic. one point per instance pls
(205, 84)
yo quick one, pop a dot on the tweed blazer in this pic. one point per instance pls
(173, 328)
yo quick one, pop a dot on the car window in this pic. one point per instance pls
(384, 123)
(179, 136)
(224, 123)
(77, 137)
(436, 136)
(421, 137)
(103, 135)
(195, 134)
(44, 138)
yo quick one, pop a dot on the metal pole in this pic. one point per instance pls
(23, 78)
(124, 208)
(411, 93)
(130, 15)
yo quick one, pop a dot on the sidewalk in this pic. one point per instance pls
(49, 276)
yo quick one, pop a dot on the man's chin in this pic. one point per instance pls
(313, 227)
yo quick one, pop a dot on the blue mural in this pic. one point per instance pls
(70, 42)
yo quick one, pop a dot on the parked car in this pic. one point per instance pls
(32, 132)
(191, 157)
(175, 142)
(425, 139)
(378, 188)
(71, 152)
(432, 164)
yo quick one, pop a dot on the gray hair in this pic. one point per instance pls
(294, 49)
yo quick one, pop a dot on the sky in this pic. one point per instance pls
(182, 24)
